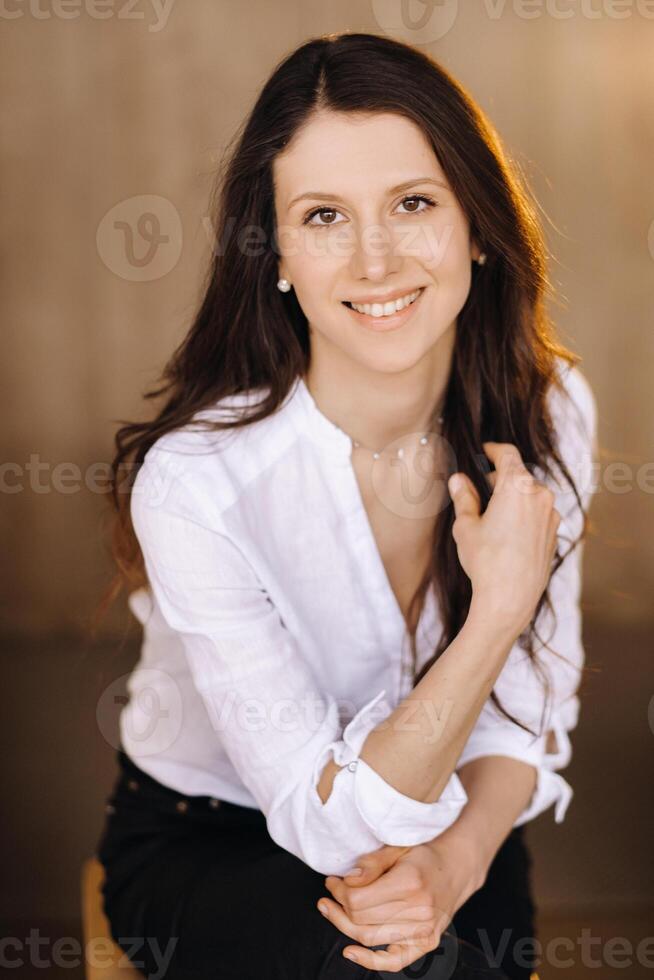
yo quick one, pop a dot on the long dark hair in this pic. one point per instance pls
(247, 334)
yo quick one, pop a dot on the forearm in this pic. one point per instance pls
(498, 788)
(416, 748)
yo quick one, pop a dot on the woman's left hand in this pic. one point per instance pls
(406, 898)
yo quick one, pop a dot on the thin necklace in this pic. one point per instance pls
(376, 453)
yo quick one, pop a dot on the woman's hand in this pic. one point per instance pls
(406, 898)
(507, 551)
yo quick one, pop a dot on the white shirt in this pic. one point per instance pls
(273, 640)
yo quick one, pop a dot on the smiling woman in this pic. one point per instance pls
(340, 641)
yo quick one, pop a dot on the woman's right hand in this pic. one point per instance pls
(507, 551)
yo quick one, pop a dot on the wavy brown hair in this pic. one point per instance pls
(247, 334)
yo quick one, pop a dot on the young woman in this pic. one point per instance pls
(349, 658)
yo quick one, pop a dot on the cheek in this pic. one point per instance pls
(443, 246)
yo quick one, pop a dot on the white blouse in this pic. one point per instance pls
(272, 638)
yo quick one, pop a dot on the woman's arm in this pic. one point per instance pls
(498, 789)
(432, 724)
(507, 554)
(519, 686)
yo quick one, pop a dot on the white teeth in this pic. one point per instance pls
(386, 309)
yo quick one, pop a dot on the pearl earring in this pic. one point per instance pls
(283, 285)
(482, 258)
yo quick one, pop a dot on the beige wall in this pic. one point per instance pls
(99, 111)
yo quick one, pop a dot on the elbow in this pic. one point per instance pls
(297, 828)
(325, 834)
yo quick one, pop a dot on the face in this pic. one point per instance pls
(364, 215)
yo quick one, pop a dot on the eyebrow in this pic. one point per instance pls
(322, 196)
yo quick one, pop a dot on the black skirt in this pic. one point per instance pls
(195, 888)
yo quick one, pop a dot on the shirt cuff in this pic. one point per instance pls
(551, 788)
(393, 817)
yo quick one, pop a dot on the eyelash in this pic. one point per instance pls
(410, 197)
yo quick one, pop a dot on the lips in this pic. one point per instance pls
(389, 322)
(380, 302)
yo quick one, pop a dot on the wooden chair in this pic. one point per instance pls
(103, 959)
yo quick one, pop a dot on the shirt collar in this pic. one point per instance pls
(321, 430)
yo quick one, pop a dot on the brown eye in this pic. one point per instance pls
(319, 211)
(419, 199)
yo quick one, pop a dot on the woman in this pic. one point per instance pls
(339, 668)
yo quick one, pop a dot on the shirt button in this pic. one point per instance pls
(133, 785)
(352, 766)
(214, 803)
(181, 806)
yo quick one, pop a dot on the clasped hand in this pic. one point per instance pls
(405, 897)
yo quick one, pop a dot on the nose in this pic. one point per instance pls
(374, 253)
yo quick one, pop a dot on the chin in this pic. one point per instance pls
(391, 361)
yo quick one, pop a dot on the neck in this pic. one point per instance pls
(374, 407)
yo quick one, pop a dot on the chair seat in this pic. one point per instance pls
(104, 959)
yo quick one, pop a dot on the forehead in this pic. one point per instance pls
(351, 153)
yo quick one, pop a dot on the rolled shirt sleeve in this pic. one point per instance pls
(274, 723)
(519, 685)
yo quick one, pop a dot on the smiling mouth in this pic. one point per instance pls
(383, 316)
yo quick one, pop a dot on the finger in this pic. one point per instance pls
(389, 894)
(402, 953)
(505, 457)
(396, 956)
(464, 495)
(374, 864)
(389, 931)
(374, 914)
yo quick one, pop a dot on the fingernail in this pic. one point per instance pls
(455, 483)
(323, 909)
(354, 872)
(351, 956)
